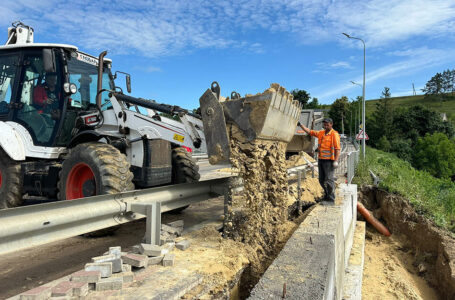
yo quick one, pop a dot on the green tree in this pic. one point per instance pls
(338, 113)
(302, 96)
(313, 104)
(434, 88)
(382, 118)
(417, 121)
(435, 153)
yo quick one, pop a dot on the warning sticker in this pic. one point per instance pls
(87, 59)
(179, 138)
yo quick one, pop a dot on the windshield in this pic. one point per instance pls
(83, 72)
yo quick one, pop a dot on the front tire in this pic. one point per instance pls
(184, 170)
(10, 182)
(94, 169)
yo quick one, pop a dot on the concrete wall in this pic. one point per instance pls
(312, 264)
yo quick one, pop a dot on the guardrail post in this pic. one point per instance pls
(299, 201)
(153, 229)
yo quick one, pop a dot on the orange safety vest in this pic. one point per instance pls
(327, 143)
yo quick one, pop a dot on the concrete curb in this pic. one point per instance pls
(312, 263)
(354, 272)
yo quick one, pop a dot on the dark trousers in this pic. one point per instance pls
(326, 178)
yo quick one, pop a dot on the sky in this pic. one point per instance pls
(175, 49)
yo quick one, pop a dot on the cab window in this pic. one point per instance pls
(8, 68)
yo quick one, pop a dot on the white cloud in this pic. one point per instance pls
(417, 61)
(159, 27)
(341, 65)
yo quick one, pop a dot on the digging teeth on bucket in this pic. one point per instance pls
(271, 115)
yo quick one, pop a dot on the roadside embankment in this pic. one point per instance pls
(432, 248)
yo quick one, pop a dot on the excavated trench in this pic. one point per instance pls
(265, 215)
(433, 248)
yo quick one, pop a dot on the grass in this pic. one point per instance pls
(447, 106)
(430, 196)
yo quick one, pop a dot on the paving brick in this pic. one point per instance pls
(153, 250)
(172, 230)
(155, 260)
(178, 223)
(104, 267)
(80, 289)
(86, 276)
(166, 238)
(63, 289)
(126, 268)
(135, 260)
(127, 276)
(169, 246)
(183, 245)
(108, 284)
(38, 293)
(117, 251)
(136, 249)
(113, 258)
(168, 260)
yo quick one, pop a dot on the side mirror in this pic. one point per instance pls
(128, 83)
(49, 61)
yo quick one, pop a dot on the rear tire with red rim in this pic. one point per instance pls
(10, 182)
(94, 169)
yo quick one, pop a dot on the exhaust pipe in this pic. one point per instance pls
(99, 85)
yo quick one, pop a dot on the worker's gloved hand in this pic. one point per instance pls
(298, 123)
(335, 164)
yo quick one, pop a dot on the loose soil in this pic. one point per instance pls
(417, 249)
(390, 271)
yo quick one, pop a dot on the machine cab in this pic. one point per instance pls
(44, 87)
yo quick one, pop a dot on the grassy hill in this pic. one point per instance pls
(447, 106)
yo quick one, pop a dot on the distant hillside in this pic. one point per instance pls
(447, 106)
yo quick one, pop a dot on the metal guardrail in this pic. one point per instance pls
(35, 225)
(347, 162)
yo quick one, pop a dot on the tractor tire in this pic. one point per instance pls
(93, 169)
(11, 182)
(184, 170)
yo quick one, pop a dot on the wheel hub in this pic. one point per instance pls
(81, 182)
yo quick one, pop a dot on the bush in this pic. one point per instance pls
(436, 154)
(403, 148)
(384, 144)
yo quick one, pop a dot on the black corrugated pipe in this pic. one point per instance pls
(100, 78)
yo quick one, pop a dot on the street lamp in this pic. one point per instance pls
(360, 103)
(363, 93)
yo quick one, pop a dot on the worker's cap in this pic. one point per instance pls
(327, 120)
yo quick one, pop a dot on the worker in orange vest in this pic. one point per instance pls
(328, 152)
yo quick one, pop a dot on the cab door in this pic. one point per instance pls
(39, 105)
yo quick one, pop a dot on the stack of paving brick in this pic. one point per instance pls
(170, 231)
(113, 269)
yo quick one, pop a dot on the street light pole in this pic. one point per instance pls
(363, 92)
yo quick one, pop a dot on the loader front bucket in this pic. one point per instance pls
(271, 115)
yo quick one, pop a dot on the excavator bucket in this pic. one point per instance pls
(271, 115)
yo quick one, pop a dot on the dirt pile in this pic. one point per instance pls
(391, 271)
(301, 159)
(433, 247)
